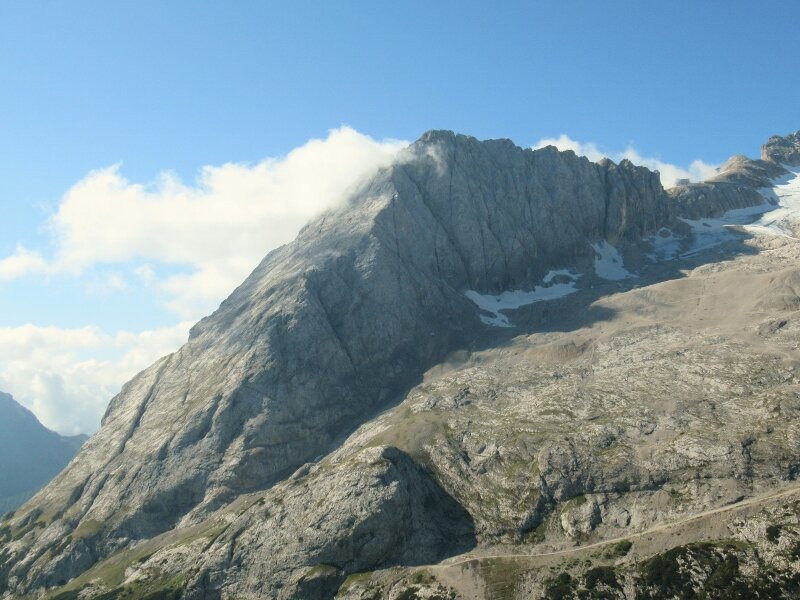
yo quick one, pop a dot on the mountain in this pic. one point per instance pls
(30, 454)
(491, 372)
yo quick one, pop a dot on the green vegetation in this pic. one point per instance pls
(794, 553)
(676, 495)
(111, 571)
(574, 502)
(724, 573)
(153, 589)
(20, 532)
(422, 577)
(601, 575)
(59, 547)
(4, 568)
(413, 593)
(410, 593)
(501, 576)
(560, 587)
(557, 412)
(670, 575)
(773, 533)
(88, 528)
(355, 579)
(663, 573)
(321, 570)
(699, 571)
(535, 536)
(619, 549)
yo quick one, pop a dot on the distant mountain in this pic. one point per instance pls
(30, 454)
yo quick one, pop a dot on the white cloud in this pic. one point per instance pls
(670, 174)
(107, 284)
(67, 376)
(22, 262)
(145, 273)
(220, 227)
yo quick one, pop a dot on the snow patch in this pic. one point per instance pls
(559, 273)
(518, 298)
(608, 262)
(666, 245)
(707, 233)
(775, 216)
(785, 194)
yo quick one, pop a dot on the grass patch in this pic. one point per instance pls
(17, 534)
(501, 576)
(159, 588)
(321, 570)
(355, 579)
(111, 571)
(87, 529)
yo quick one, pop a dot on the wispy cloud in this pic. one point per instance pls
(698, 170)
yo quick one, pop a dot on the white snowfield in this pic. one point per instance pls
(515, 299)
(779, 218)
(608, 262)
(666, 245)
(780, 209)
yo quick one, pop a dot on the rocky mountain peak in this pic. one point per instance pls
(329, 330)
(784, 150)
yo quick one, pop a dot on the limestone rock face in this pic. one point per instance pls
(783, 150)
(333, 328)
(377, 509)
(738, 185)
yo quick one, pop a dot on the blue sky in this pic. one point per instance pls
(100, 100)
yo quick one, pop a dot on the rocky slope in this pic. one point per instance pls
(349, 408)
(30, 454)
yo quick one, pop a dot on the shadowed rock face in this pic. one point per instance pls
(331, 327)
(378, 509)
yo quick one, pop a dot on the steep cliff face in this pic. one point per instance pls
(326, 331)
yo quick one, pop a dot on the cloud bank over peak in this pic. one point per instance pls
(217, 228)
(698, 170)
(183, 246)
